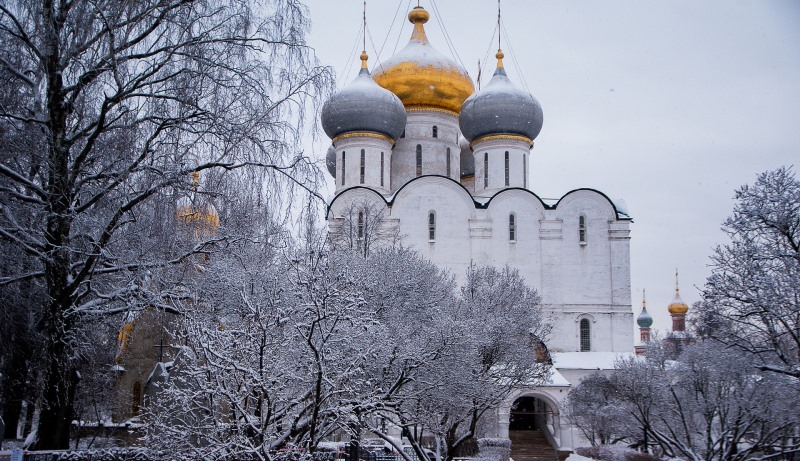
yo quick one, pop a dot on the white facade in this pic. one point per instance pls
(480, 210)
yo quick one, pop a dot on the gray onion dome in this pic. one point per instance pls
(645, 320)
(330, 160)
(364, 106)
(500, 108)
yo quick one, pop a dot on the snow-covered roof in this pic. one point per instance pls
(588, 360)
(557, 380)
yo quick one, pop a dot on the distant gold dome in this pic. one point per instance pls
(422, 77)
(677, 307)
(201, 217)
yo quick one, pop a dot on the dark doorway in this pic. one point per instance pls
(528, 414)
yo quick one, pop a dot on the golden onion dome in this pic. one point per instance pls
(200, 216)
(677, 306)
(422, 77)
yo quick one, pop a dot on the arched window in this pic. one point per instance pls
(431, 226)
(419, 159)
(448, 162)
(506, 168)
(582, 229)
(524, 171)
(360, 224)
(586, 336)
(485, 170)
(136, 398)
(343, 167)
(435, 131)
(381, 169)
(363, 160)
(512, 227)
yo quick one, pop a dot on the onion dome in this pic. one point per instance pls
(195, 211)
(644, 320)
(501, 108)
(677, 306)
(422, 77)
(363, 107)
(330, 160)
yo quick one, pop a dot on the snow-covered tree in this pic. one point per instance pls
(752, 298)
(709, 404)
(108, 107)
(458, 360)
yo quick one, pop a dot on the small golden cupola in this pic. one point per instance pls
(199, 216)
(677, 306)
(423, 78)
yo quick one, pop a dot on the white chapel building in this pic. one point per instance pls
(446, 167)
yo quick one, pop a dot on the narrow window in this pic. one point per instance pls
(512, 227)
(381, 169)
(524, 171)
(506, 168)
(403, 135)
(360, 224)
(136, 398)
(448, 162)
(586, 337)
(485, 170)
(363, 160)
(419, 159)
(431, 226)
(435, 131)
(582, 229)
(343, 168)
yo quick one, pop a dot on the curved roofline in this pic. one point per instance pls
(477, 204)
(613, 206)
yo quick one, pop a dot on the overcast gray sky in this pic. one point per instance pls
(668, 105)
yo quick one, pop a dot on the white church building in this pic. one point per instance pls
(446, 167)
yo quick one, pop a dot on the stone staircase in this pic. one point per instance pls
(531, 446)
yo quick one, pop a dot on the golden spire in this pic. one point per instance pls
(499, 57)
(644, 300)
(677, 288)
(364, 58)
(418, 16)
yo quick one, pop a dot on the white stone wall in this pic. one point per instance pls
(419, 131)
(575, 280)
(373, 148)
(492, 153)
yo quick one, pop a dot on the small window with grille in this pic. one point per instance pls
(431, 226)
(586, 336)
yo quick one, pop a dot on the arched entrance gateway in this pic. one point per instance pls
(532, 422)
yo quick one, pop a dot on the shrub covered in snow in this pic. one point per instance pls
(614, 453)
(108, 454)
(494, 449)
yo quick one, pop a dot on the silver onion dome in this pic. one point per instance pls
(500, 108)
(645, 320)
(330, 160)
(364, 106)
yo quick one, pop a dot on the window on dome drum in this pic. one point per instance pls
(524, 171)
(343, 160)
(586, 336)
(363, 160)
(485, 170)
(448, 162)
(582, 229)
(512, 227)
(506, 168)
(360, 225)
(419, 159)
(381, 169)
(431, 226)
(435, 131)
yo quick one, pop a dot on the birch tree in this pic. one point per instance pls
(751, 301)
(107, 109)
